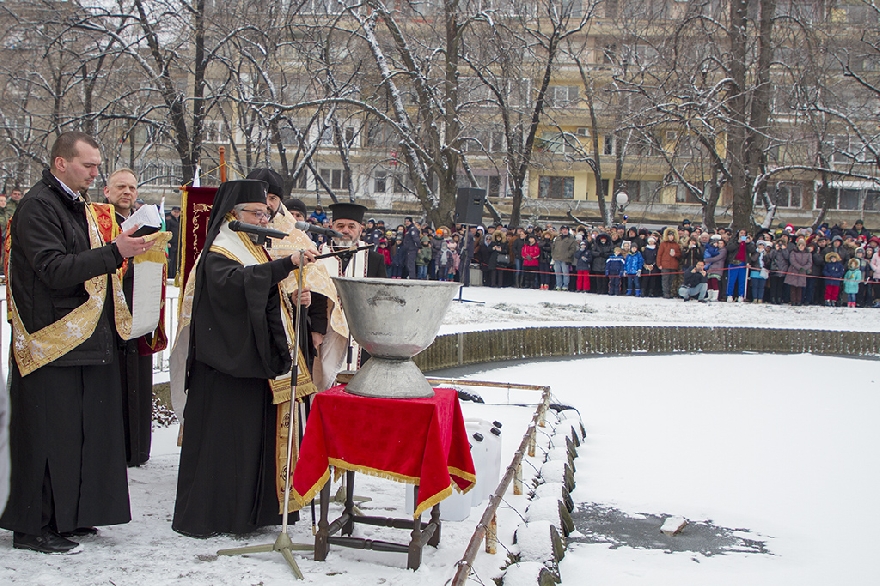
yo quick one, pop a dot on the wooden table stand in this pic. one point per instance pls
(344, 524)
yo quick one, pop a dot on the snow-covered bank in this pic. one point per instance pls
(504, 308)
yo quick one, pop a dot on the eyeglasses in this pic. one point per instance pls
(260, 214)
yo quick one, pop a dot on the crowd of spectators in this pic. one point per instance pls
(832, 266)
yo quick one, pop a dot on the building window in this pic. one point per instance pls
(553, 187)
(609, 144)
(335, 178)
(561, 96)
(787, 195)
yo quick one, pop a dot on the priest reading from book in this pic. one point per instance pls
(337, 350)
(233, 352)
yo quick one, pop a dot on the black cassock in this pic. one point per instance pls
(137, 386)
(226, 480)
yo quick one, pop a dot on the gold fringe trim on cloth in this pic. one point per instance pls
(303, 500)
(453, 471)
(429, 504)
(156, 253)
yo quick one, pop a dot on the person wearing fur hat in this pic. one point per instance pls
(669, 260)
(851, 280)
(833, 273)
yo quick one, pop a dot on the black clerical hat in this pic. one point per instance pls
(348, 211)
(276, 183)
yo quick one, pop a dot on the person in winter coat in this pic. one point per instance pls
(423, 258)
(583, 262)
(851, 280)
(738, 251)
(800, 263)
(833, 273)
(498, 246)
(713, 263)
(398, 258)
(452, 265)
(650, 272)
(874, 265)
(633, 265)
(779, 265)
(816, 286)
(614, 269)
(562, 251)
(690, 254)
(531, 257)
(545, 263)
(864, 267)
(669, 260)
(602, 251)
(759, 261)
(383, 250)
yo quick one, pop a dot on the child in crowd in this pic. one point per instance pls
(423, 258)
(443, 260)
(583, 259)
(851, 281)
(714, 257)
(614, 268)
(759, 272)
(632, 266)
(531, 257)
(833, 273)
(454, 259)
(383, 250)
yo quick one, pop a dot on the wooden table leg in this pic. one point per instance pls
(435, 519)
(322, 545)
(348, 528)
(414, 558)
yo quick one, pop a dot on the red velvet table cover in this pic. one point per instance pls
(417, 441)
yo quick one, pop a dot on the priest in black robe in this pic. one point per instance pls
(236, 344)
(136, 369)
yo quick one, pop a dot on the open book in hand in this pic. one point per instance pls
(147, 217)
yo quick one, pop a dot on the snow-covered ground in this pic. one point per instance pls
(501, 307)
(780, 447)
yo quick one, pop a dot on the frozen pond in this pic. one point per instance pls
(781, 447)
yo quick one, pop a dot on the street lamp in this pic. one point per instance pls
(622, 201)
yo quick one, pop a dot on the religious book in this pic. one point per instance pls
(147, 217)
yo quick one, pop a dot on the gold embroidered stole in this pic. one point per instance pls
(35, 350)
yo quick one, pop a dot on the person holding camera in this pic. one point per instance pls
(695, 283)
(738, 251)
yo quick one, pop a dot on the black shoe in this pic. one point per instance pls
(80, 532)
(47, 542)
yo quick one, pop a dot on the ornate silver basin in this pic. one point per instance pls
(393, 320)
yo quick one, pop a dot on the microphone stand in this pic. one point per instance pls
(466, 266)
(283, 543)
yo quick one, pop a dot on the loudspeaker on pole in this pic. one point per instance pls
(469, 204)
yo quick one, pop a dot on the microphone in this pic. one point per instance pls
(238, 226)
(315, 229)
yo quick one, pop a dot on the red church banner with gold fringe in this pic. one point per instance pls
(196, 205)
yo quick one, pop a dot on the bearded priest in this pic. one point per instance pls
(234, 345)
